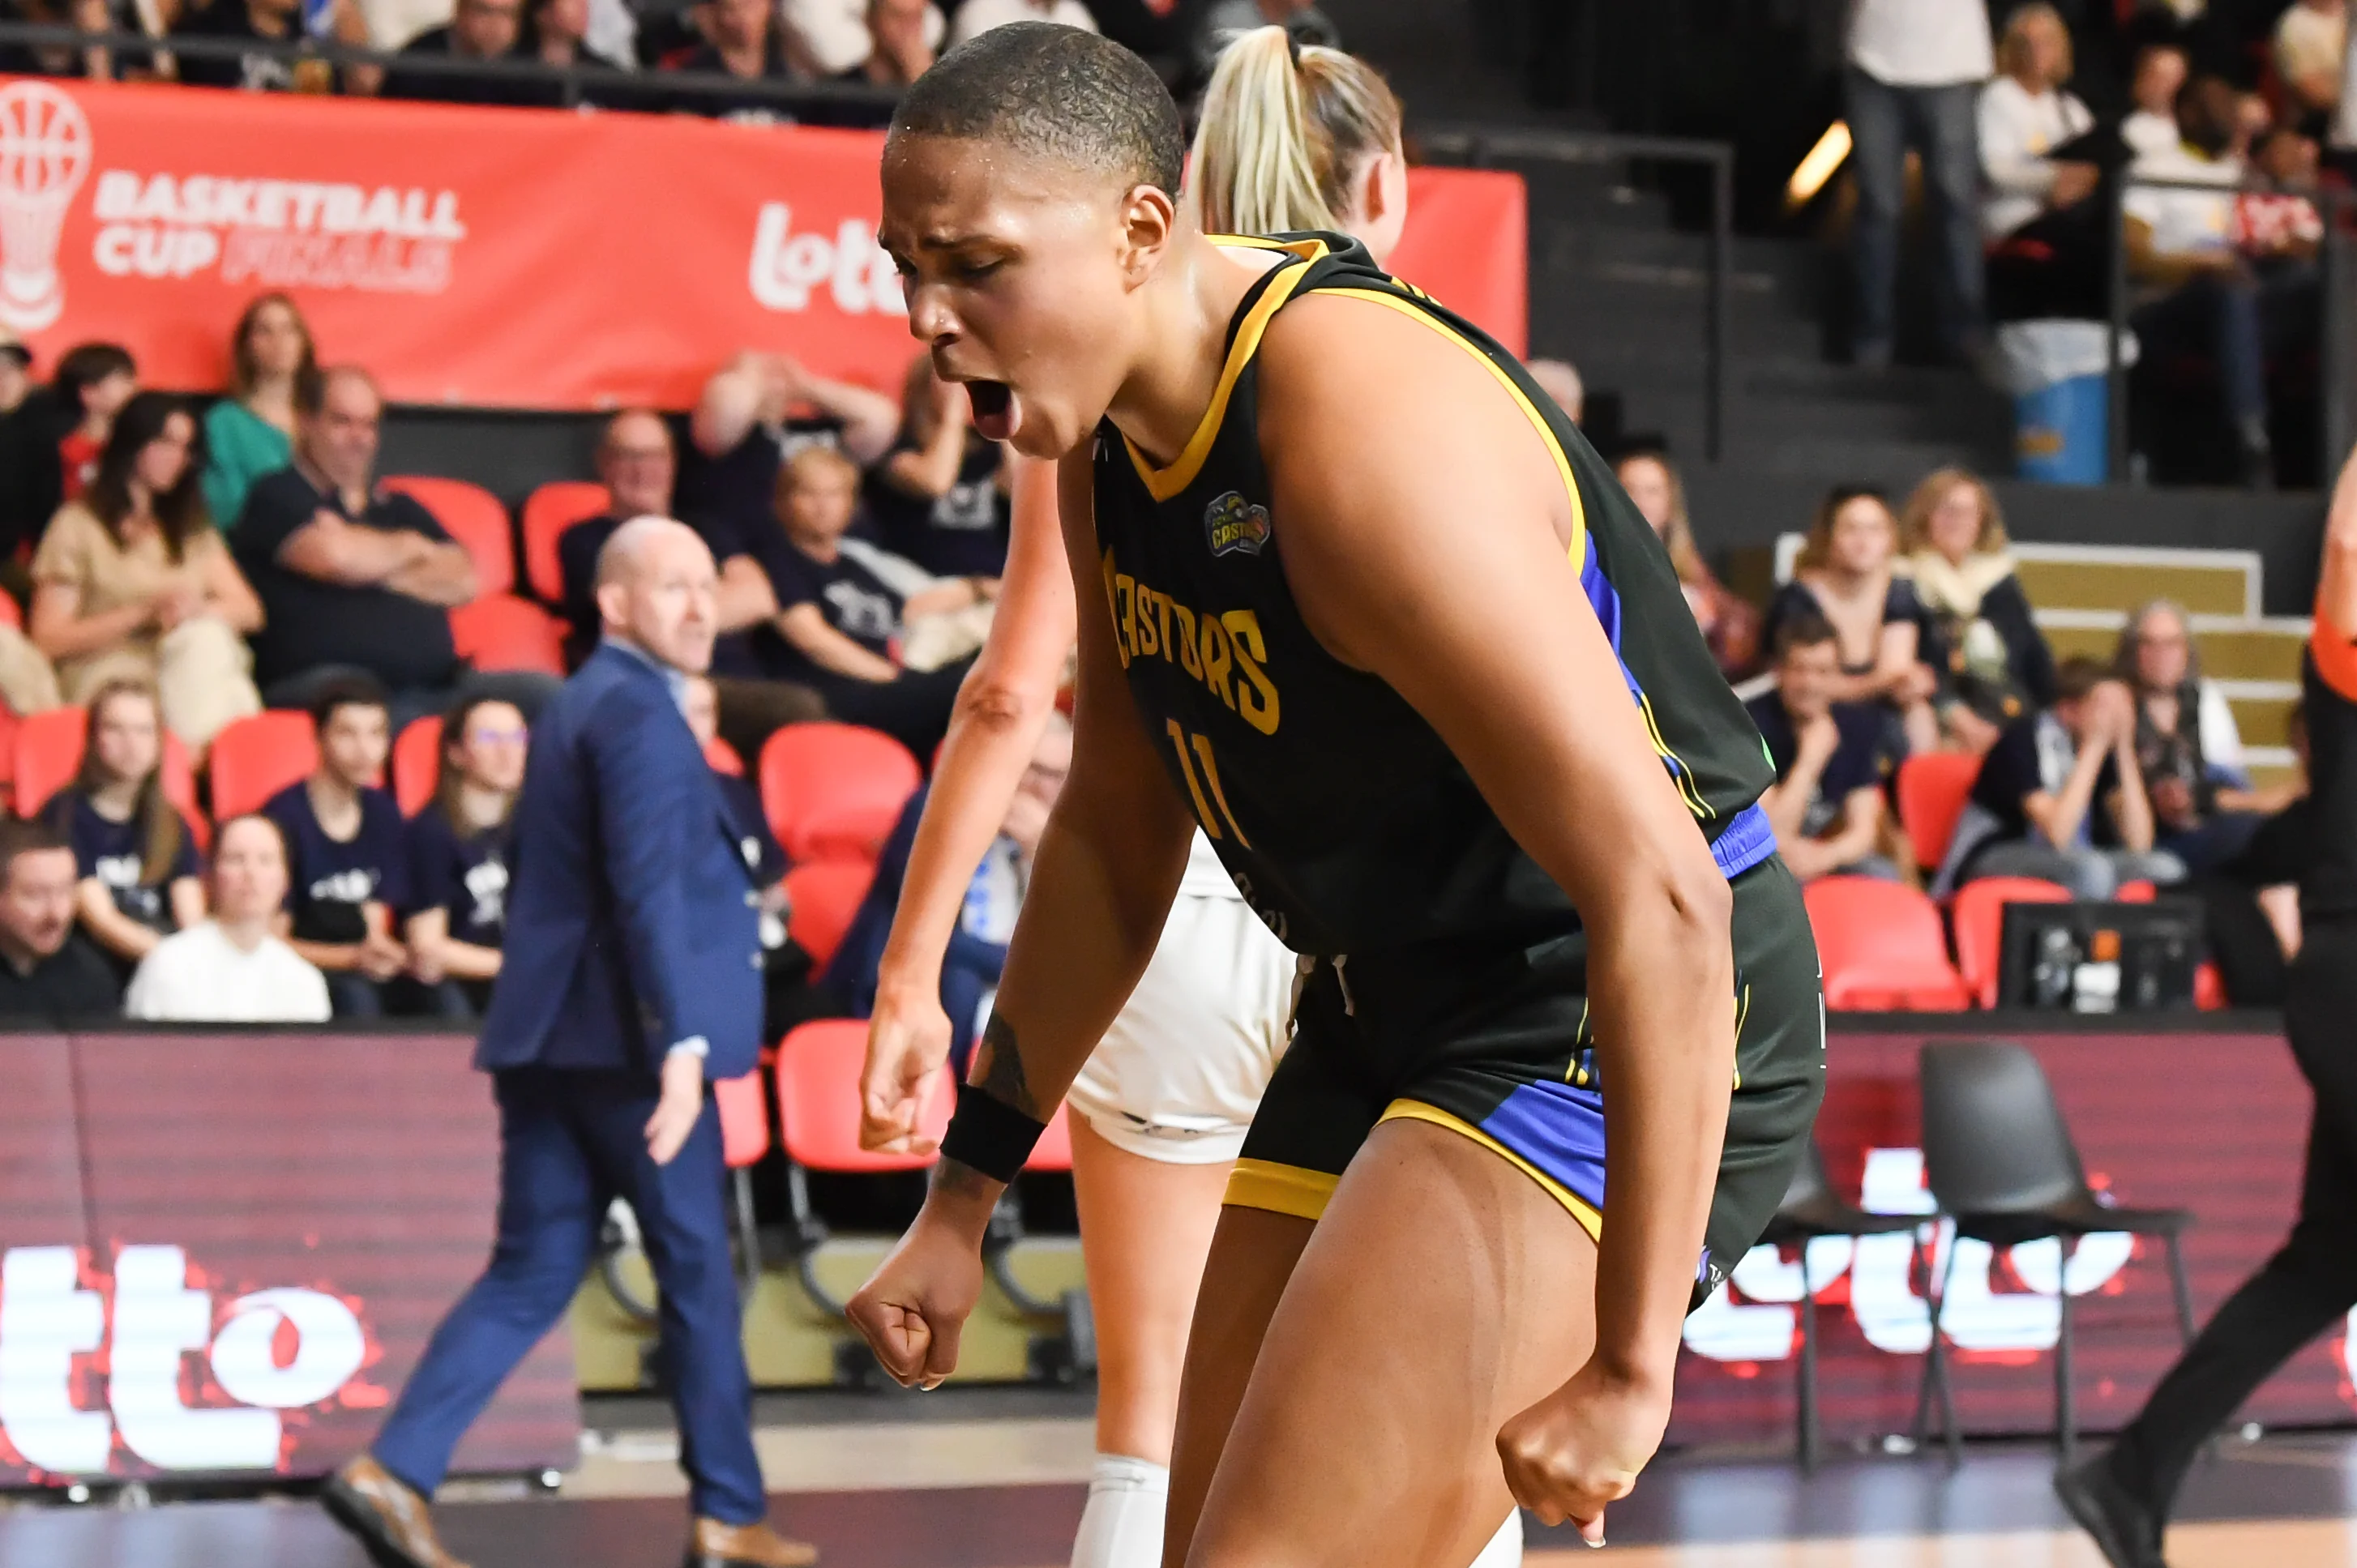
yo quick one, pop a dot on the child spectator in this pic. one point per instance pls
(132, 583)
(1846, 574)
(346, 851)
(250, 432)
(1832, 759)
(1980, 638)
(1729, 624)
(233, 969)
(2060, 796)
(940, 495)
(135, 853)
(459, 847)
(842, 609)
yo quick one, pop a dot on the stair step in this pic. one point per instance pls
(2206, 582)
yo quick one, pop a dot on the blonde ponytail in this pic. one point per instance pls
(1283, 138)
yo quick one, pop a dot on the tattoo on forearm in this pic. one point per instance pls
(998, 1067)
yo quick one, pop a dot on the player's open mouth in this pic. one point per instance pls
(994, 408)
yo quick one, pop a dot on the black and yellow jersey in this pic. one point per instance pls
(1343, 818)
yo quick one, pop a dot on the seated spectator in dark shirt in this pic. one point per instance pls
(354, 580)
(58, 59)
(756, 410)
(1831, 760)
(135, 853)
(556, 33)
(940, 497)
(459, 855)
(635, 461)
(1847, 574)
(479, 30)
(347, 852)
(2060, 797)
(48, 975)
(1979, 635)
(270, 22)
(840, 613)
(744, 39)
(900, 51)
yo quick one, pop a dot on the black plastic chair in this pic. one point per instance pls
(1810, 1210)
(2001, 1165)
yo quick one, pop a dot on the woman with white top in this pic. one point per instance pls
(230, 968)
(2037, 205)
(1287, 141)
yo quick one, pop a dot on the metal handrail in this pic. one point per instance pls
(2338, 413)
(1479, 145)
(576, 80)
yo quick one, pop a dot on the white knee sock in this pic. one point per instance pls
(1505, 1548)
(1122, 1525)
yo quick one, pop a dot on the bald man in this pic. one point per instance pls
(632, 978)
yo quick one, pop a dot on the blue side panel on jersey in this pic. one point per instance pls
(1560, 1130)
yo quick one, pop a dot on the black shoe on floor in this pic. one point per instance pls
(2122, 1527)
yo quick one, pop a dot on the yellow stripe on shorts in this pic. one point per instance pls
(1280, 1190)
(1417, 1110)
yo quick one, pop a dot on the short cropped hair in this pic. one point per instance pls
(2078, 675)
(18, 837)
(347, 692)
(1803, 628)
(1061, 92)
(312, 383)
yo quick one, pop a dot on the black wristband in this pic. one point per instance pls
(989, 1136)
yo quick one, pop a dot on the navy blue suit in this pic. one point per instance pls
(631, 927)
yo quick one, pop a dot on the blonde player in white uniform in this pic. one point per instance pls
(1290, 139)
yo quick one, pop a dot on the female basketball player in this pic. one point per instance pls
(1164, 1102)
(1425, 679)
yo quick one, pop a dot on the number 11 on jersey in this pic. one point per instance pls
(1202, 752)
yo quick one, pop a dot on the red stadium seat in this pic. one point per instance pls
(416, 763)
(48, 749)
(1881, 948)
(548, 512)
(743, 1119)
(1933, 785)
(2210, 988)
(499, 631)
(833, 791)
(1978, 915)
(254, 758)
(721, 758)
(825, 894)
(471, 515)
(2139, 892)
(818, 1100)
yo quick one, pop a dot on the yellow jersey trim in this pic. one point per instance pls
(1165, 484)
(1417, 1110)
(1281, 1189)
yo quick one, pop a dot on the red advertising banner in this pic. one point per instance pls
(267, 1228)
(508, 257)
(2214, 1123)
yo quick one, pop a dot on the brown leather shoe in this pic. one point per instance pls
(713, 1544)
(388, 1518)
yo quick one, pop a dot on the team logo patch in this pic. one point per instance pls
(1232, 523)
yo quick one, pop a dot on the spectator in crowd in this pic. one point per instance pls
(1223, 19)
(354, 580)
(2150, 129)
(2187, 747)
(900, 51)
(940, 495)
(841, 608)
(2054, 261)
(741, 39)
(278, 22)
(2060, 797)
(2311, 39)
(1914, 70)
(1833, 759)
(756, 410)
(458, 854)
(19, 462)
(94, 380)
(133, 582)
(1560, 380)
(233, 969)
(2198, 295)
(48, 974)
(1979, 635)
(1846, 575)
(57, 59)
(346, 852)
(250, 432)
(2277, 229)
(831, 36)
(1729, 625)
(977, 948)
(975, 17)
(479, 30)
(136, 855)
(561, 33)
(635, 461)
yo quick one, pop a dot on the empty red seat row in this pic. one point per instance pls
(478, 521)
